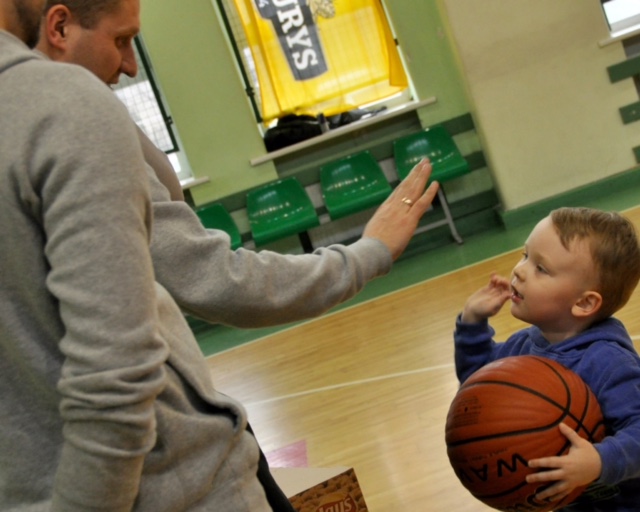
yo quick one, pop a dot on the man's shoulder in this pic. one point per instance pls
(75, 101)
(13, 51)
(69, 83)
(29, 75)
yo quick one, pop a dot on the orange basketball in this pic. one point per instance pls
(508, 413)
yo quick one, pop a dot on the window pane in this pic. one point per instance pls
(140, 96)
(622, 15)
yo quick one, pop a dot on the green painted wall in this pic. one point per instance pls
(425, 45)
(530, 72)
(198, 75)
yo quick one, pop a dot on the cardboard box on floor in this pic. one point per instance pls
(321, 489)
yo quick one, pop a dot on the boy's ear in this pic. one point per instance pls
(587, 305)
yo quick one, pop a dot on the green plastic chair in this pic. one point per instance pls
(352, 184)
(215, 216)
(446, 160)
(280, 209)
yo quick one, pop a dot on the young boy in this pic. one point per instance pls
(579, 267)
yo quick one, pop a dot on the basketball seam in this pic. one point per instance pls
(578, 396)
(566, 412)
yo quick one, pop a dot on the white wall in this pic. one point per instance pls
(541, 97)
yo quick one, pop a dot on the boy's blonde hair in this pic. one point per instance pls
(614, 249)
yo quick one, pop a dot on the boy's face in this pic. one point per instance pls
(549, 280)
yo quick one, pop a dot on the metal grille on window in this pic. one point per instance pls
(142, 98)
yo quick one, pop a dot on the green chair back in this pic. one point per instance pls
(435, 143)
(353, 184)
(280, 209)
(215, 216)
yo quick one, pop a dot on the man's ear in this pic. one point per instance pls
(56, 25)
(587, 305)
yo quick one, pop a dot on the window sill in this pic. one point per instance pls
(193, 182)
(337, 132)
(620, 36)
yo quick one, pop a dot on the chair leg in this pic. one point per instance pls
(447, 213)
(305, 240)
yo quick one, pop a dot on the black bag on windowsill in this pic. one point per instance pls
(291, 129)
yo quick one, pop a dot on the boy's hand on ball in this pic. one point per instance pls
(581, 466)
(487, 301)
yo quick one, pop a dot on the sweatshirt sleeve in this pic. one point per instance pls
(473, 345)
(87, 171)
(616, 383)
(161, 166)
(245, 288)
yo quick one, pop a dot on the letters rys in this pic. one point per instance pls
(295, 26)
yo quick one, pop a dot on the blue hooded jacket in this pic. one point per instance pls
(604, 357)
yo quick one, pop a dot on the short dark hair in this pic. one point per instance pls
(87, 12)
(614, 248)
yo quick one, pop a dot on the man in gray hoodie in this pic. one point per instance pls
(240, 288)
(208, 280)
(106, 401)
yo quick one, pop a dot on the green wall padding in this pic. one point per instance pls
(625, 69)
(630, 113)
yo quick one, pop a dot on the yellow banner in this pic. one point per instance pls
(317, 56)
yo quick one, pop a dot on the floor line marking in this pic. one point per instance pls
(361, 381)
(403, 288)
(367, 301)
(350, 384)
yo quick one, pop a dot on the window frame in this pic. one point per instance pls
(250, 80)
(175, 154)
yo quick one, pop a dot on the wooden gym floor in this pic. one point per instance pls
(369, 387)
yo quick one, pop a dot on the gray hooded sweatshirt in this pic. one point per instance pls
(106, 402)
